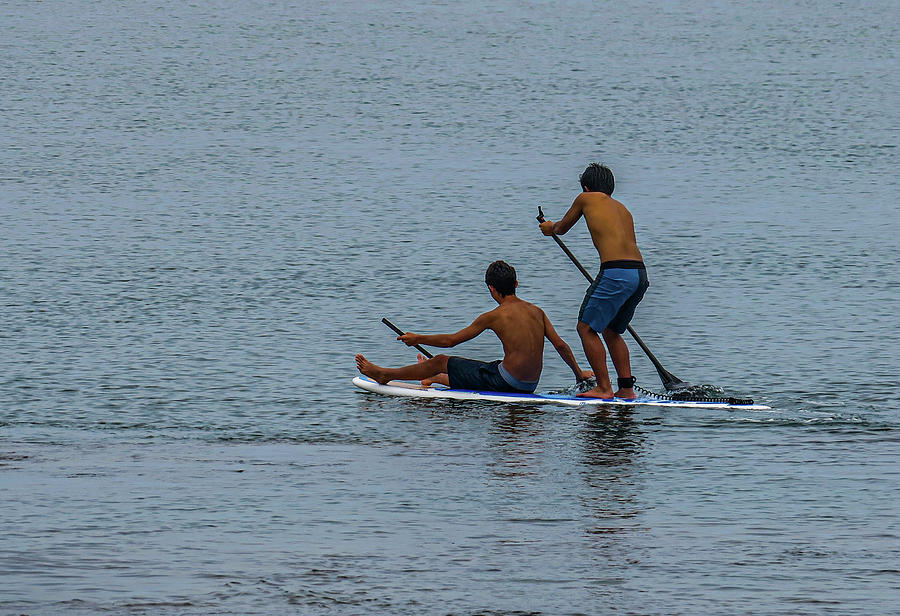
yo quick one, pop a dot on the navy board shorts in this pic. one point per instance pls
(610, 301)
(484, 376)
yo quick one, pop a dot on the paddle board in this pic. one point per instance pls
(416, 390)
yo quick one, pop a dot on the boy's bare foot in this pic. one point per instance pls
(596, 393)
(372, 371)
(626, 393)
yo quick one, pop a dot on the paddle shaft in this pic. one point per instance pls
(669, 380)
(400, 332)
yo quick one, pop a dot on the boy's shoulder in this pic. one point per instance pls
(523, 306)
(596, 198)
(517, 304)
(600, 205)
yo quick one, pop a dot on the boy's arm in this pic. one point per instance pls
(448, 340)
(565, 352)
(560, 227)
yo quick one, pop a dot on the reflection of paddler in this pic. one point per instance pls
(610, 301)
(610, 444)
(521, 327)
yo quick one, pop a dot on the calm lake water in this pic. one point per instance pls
(208, 208)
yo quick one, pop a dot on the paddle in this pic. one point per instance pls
(400, 332)
(669, 380)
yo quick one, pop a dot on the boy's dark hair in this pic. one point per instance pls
(598, 178)
(502, 276)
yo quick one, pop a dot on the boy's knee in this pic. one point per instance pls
(611, 334)
(584, 329)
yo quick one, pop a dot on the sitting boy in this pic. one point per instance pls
(521, 327)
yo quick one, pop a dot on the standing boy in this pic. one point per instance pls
(521, 327)
(610, 301)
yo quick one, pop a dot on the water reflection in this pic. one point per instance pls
(612, 442)
(512, 420)
(611, 438)
(517, 440)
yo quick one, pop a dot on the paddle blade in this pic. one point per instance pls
(670, 381)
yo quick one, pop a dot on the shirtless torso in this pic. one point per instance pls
(609, 222)
(521, 328)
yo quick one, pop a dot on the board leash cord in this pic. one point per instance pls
(689, 398)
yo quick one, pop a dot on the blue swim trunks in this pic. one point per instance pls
(610, 301)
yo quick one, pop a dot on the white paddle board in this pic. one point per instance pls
(416, 390)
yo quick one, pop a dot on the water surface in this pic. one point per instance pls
(209, 208)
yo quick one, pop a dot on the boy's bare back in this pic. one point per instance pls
(520, 326)
(610, 224)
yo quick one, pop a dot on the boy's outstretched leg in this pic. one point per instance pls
(596, 356)
(416, 372)
(443, 378)
(621, 359)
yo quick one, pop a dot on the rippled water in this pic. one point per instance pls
(208, 208)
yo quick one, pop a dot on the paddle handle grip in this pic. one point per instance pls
(400, 332)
